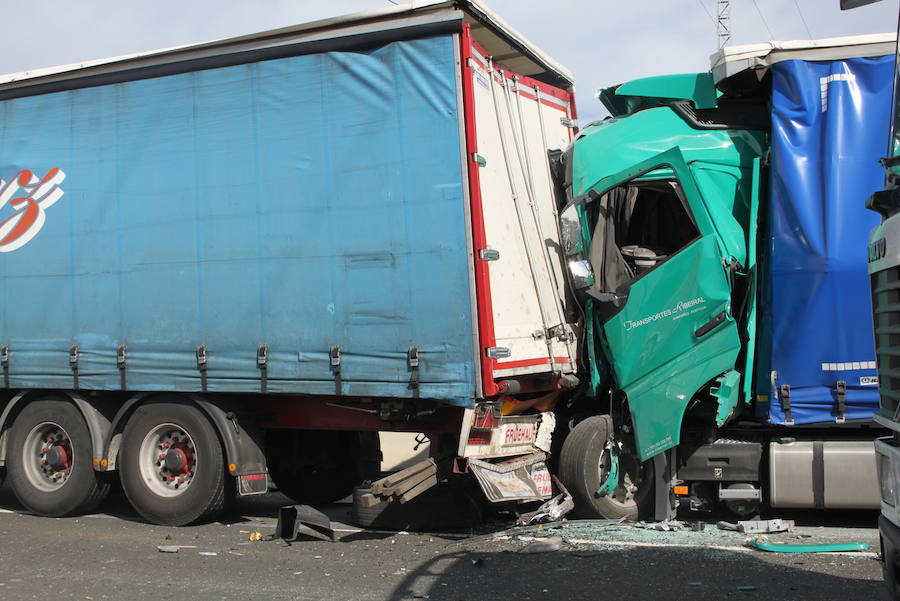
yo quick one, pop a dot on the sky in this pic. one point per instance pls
(604, 42)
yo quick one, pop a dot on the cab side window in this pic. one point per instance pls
(637, 226)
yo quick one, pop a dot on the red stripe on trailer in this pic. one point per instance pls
(529, 362)
(486, 335)
(526, 88)
(524, 80)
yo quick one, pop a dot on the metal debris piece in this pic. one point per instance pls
(168, 548)
(667, 526)
(551, 510)
(404, 485)
(291, 518)
(762, 543)
(543, 545)
(758, 526)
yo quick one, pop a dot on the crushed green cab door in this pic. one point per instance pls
(663, 290)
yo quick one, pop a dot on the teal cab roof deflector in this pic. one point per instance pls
(649, 92)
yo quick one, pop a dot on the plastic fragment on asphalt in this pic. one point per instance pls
(746, 588)
(208, 553)
(168, 548)
(762, 543)
(544, 545)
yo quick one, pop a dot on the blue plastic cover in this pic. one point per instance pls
(302, 203)
(829, 127)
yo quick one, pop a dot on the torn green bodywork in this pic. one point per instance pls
(650, 345)
(611, 482)
(727, 394)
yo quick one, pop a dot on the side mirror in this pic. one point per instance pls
(570, 230)
(582, 274)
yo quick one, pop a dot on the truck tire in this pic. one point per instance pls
(171, 464)
(50, 460)
(583, 466)
(318, 467)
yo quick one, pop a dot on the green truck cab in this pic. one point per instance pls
(664, 232)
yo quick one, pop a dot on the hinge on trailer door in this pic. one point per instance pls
(488, 254)
(201, 365)
(412, 358)
(121, 356)
(262, 362)
(4, 360)
(73, 363)
(560, 332)
(841, 388)
(786, 404)
(570, 123)
(335, 355)
(478, 159)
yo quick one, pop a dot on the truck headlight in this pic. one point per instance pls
(887, 479)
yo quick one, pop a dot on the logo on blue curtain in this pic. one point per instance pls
(29, 198)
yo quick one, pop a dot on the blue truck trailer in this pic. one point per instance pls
(247, 257)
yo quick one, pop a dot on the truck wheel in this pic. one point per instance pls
(584, 464)
(51, 460)
(171, 464)
(320, 467)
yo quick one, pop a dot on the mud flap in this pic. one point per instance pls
(293, 518)
(523, 478)
(664, 503)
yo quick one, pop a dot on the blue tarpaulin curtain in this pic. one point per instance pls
(302, 203)
(829, 127)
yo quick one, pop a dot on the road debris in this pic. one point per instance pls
(208, 553)
(551, 510)
(254, 536)
(294, 520)
(762, 543)
(667, 526)
(174, 548)
(543, 545)
(758, 526)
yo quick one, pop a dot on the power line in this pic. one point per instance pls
(771, 35)
(802, 18)
(708, 14)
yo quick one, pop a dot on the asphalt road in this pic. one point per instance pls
(114, 556)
